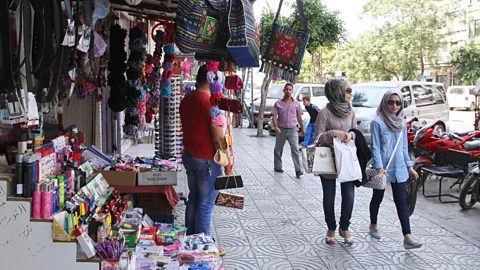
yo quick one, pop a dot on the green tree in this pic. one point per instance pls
(467, 63)
(325, 28)
(412, 33)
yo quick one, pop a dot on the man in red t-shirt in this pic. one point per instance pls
(200, 140)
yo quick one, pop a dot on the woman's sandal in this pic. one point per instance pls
(222, 252)
(329, 240)
(349, 240)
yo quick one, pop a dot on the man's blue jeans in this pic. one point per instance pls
(309, 135)
(348, 196)
(201, 176)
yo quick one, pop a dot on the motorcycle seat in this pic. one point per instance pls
(471, 145)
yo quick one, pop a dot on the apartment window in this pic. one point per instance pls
(474, 28)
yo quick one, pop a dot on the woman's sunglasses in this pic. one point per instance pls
(396, 102)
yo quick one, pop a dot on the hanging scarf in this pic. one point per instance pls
(336, 98)
(394, 121)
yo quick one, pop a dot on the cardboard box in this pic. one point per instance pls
(157, 178)
(119, 178)
(58, 229)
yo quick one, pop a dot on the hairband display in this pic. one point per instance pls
(168, 49)
(135, 76)
(117, 67)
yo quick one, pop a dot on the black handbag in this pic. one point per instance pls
(228, 181)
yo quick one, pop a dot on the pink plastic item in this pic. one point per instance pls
(37, 204)
(46, 204)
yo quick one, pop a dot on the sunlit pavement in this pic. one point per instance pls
(282, 225)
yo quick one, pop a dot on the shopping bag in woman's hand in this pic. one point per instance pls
(346, 161)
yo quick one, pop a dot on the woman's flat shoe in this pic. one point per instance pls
(349, 240)
(412, 244)
(376, 234)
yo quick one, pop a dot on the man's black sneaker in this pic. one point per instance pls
(299, 174)
(280, 171)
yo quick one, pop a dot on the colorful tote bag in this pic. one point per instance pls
(244, 43)
(198, 26)
(284, 54)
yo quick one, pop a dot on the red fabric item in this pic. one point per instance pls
(196, 121)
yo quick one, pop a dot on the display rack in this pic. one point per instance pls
(169, 136)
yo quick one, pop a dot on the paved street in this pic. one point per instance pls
(282, 225)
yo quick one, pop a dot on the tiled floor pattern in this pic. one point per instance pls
(282, 225)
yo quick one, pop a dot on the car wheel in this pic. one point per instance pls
(451, 108)
(472, 107)
(440, 128)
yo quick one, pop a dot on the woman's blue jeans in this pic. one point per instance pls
(348, 196)
(201, 176)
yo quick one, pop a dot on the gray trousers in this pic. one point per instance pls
(291, 135)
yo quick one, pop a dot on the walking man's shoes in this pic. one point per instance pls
(279, 171)
(299, 174)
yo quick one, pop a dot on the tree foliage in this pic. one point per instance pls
(467, 63)
(325, 26)
(402, 46)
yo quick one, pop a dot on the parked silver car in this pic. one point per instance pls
(425, 100)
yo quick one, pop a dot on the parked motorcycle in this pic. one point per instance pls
(431, 147)
(472, 188)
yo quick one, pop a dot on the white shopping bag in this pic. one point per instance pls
(346, 161)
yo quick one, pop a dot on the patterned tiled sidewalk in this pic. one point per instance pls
(282, 225)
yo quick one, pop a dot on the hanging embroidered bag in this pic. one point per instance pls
(284, 53)
(198, 26)
(244, 43)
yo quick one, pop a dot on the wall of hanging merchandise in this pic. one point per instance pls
(169, 134)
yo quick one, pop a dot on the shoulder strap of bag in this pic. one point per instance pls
(395, 149)
(300, 11)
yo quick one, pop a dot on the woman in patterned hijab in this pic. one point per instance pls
(335, 90)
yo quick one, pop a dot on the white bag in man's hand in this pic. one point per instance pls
(346, 161)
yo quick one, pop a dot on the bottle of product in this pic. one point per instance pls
(22, 143)
(19, 175)
(55, 196)
(29, 144)
(61, 183)
(27, 176)
(37, 201)
(46, 201)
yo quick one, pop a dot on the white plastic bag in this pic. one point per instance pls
(346, 161)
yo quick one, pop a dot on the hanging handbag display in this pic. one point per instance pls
(244, 43)
(227, 199)
(233, 82)
(201, 27)
(284, 53)
(380, 184)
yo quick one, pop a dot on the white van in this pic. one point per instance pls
(425, 100)
(461, 97)
(315, 91)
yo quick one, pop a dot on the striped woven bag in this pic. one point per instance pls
(198, 24)
(244, 43)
